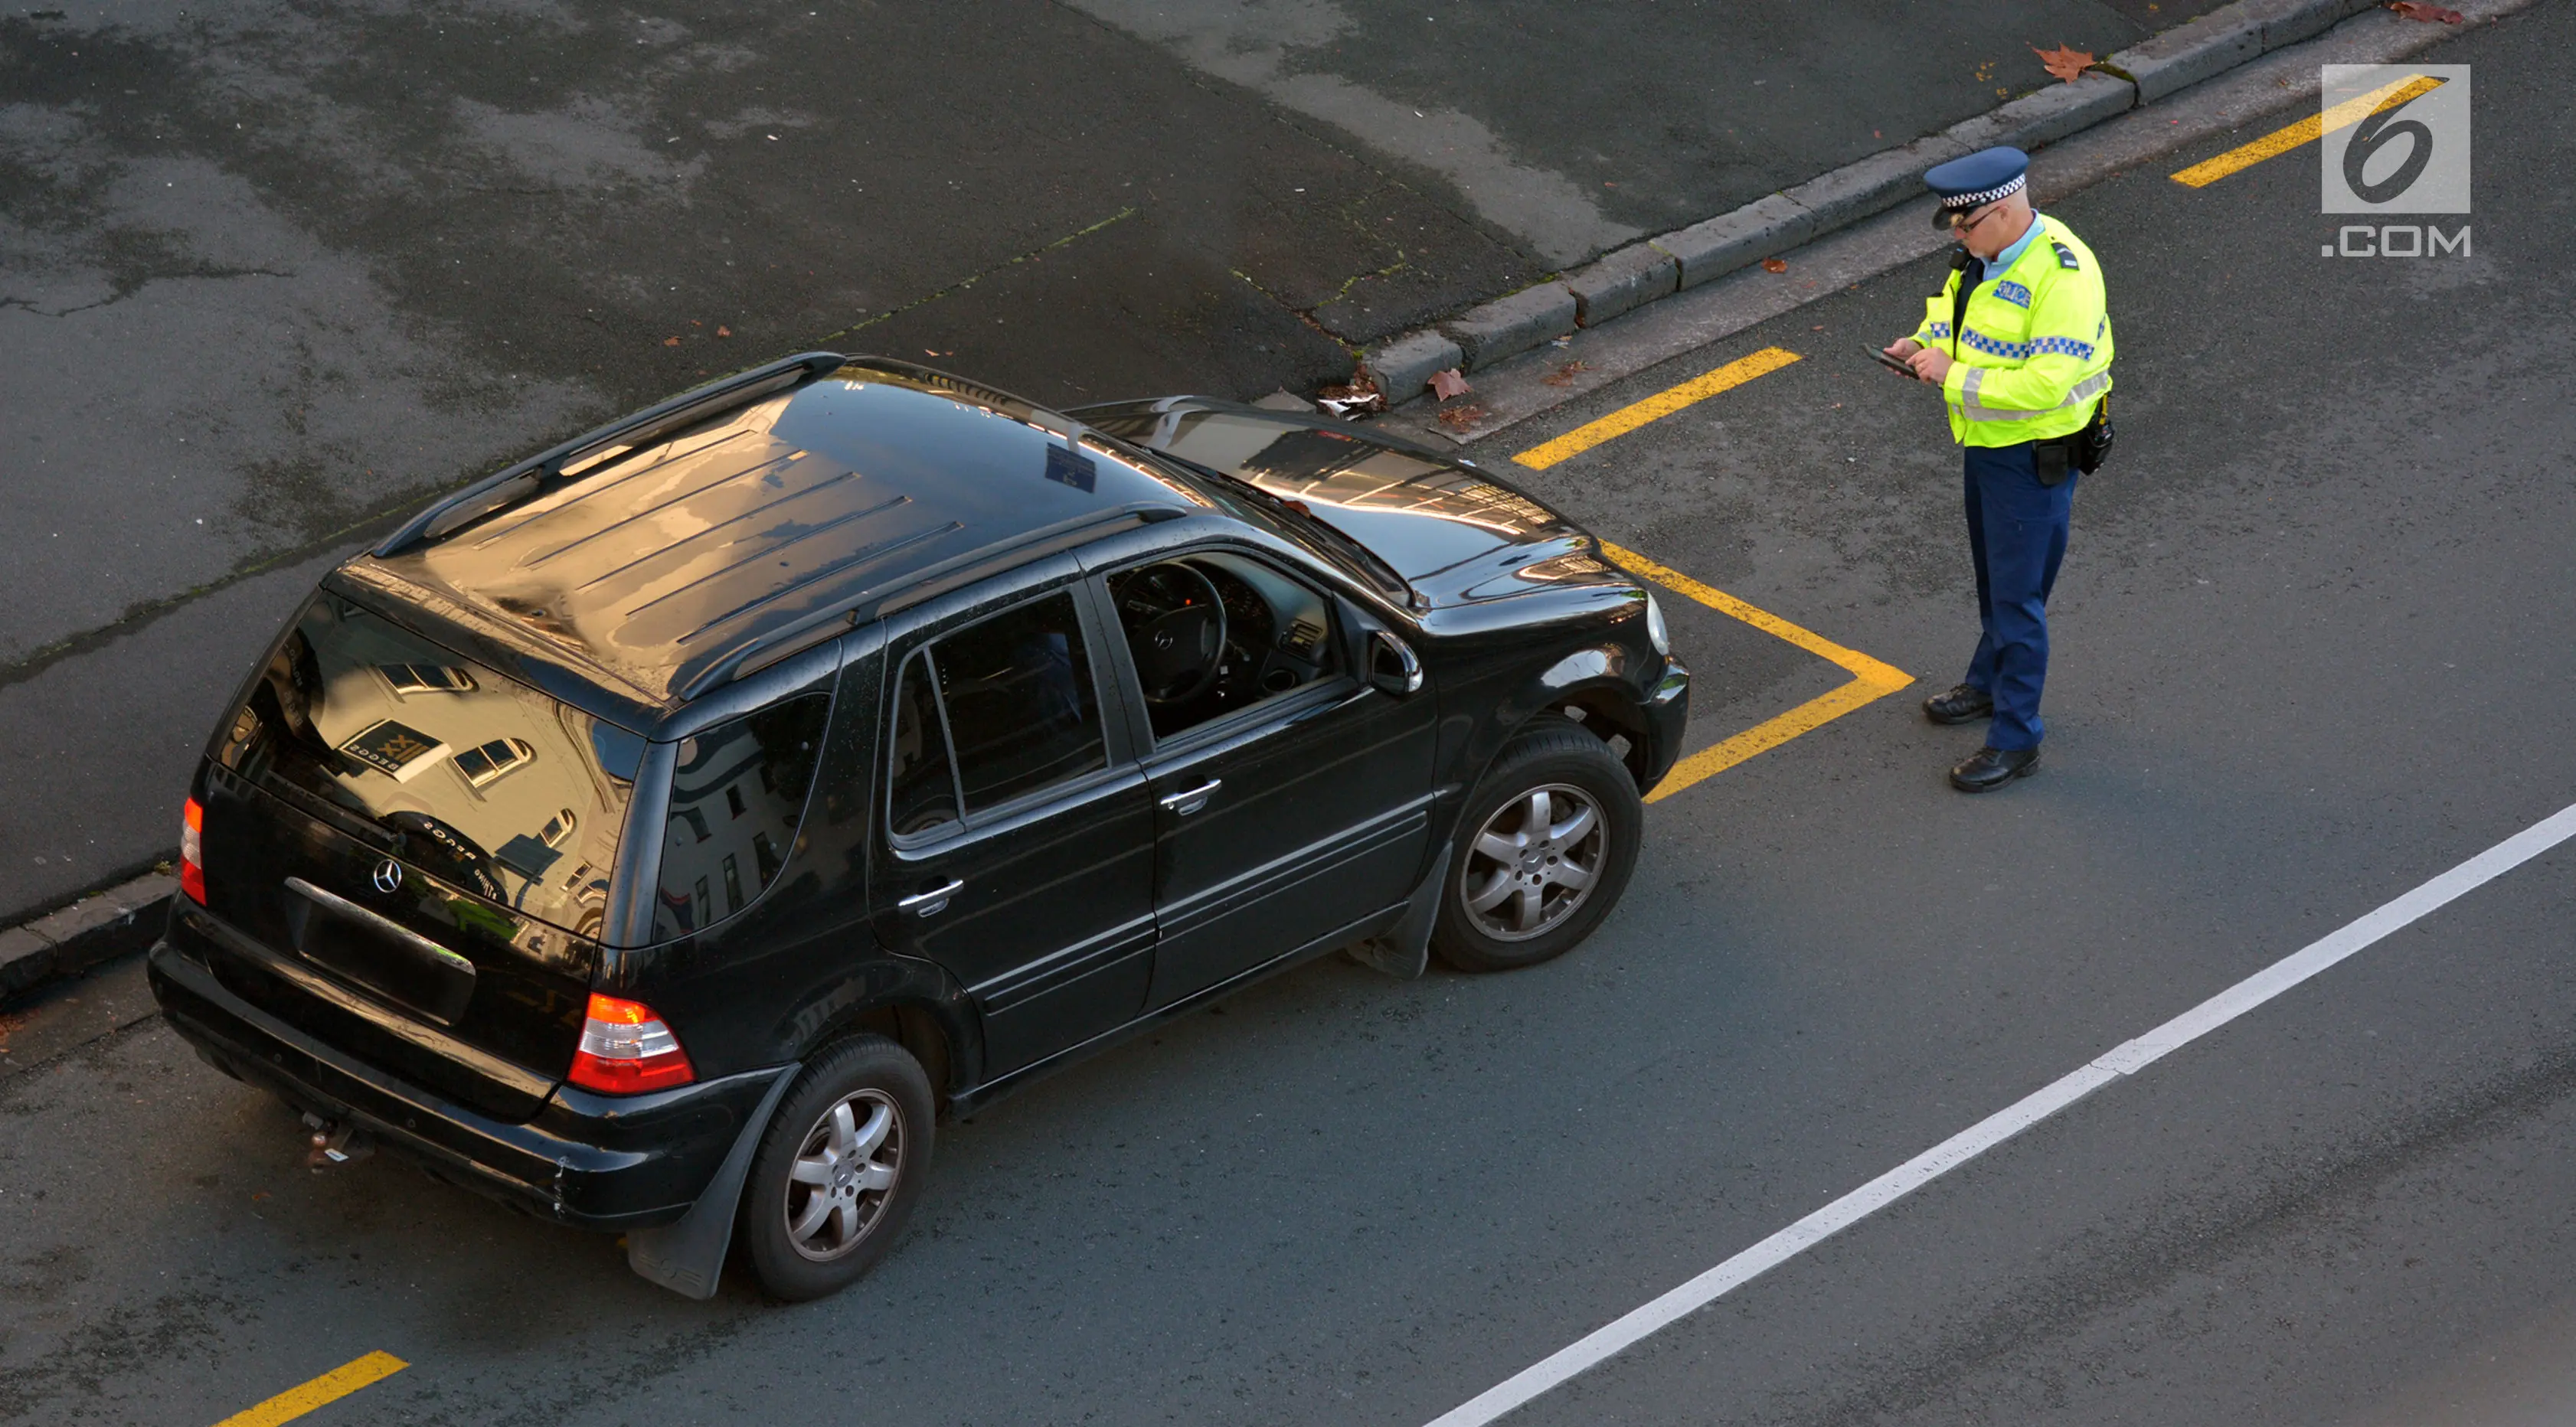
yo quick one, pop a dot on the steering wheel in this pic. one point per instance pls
(1175, 622)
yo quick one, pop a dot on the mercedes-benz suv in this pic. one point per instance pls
(665, 833)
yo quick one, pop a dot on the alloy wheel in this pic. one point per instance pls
(1534, 862)
(844, 1174)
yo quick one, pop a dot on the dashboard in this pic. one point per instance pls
(1278, 638)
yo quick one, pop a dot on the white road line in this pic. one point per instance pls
(2126, 1059)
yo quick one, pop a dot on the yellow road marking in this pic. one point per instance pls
(1654, 408)
(1871, 680)
(330, 1387)
(2306, 131)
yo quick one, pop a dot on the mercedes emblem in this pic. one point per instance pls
(388, 876)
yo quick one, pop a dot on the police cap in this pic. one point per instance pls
(1977, 180)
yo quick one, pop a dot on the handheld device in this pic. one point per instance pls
(1891, 363)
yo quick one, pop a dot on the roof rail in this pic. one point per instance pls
(518, 482)
(847, 613)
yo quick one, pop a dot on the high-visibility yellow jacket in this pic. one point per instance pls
(2034, 352)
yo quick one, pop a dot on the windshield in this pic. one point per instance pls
(1298, 518)
(469, 776)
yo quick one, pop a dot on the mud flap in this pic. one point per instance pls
(1403, 951)
(688, 1257)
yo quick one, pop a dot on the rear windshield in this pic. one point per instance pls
(476, 779)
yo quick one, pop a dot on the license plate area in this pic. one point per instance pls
(378, 955)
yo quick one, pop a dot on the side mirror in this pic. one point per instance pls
(1393, 667)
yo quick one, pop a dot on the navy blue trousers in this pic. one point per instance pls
(2017, 534)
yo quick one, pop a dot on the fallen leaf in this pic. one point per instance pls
(696, 323)
(1459, 418)
(2066, 64)
(1775, 265)
(670, 341)
(2429, 14)
(1564, 375)
(1446, 384)
(724, 331)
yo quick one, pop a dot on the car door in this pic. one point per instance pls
(1283, 822)
(1017, 845)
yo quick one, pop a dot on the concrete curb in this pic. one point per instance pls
(1629, 278)
(70, 940)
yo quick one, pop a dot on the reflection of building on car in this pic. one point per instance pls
(667, 832)
(737, 793)
(365, 717)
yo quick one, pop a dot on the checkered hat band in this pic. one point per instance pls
(1983, 196)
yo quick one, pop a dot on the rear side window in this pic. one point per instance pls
(475, 778)
(994, 712)
(737, 800)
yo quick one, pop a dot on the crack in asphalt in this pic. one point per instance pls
(141, 614)
(125, 290)
(1032, 255)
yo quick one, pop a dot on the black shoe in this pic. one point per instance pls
(1994, 767)
(1964, 704)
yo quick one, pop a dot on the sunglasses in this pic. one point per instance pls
(1962, 222)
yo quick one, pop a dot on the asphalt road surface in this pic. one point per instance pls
(2314, 642)
(271, 272)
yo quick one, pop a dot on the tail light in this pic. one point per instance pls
(192, 851)
(626, 1050)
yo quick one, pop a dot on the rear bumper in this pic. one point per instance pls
(1667, 711)
(592, 1161)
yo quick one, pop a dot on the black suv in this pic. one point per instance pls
(662, 833)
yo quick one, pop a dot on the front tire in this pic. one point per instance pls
(838, 1170)
(1549, 839)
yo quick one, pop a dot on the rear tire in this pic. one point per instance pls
(838, 1170)
(1518, 892)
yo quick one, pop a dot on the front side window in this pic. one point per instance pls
(1213, 633)
(737, 800)
(991, 713)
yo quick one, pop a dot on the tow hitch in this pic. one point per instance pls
(336, 1143)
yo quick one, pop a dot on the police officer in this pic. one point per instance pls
(2019, 342)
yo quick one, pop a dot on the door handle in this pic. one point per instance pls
(1186, 803)
(932, 902)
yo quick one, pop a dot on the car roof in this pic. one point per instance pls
(677, 548)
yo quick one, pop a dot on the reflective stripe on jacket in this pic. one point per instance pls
(2034, 352)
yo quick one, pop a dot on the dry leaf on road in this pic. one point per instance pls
(2429, 14)
(1775, 265)
(1446, 384)
(1564, 375)
(723, 331)
(2066, 64)
(670, 341)
(1459, 418)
